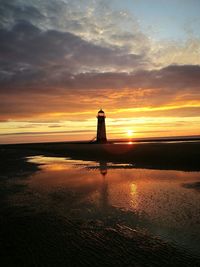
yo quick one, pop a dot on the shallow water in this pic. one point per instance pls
(163, 203)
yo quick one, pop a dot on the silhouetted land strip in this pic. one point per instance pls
(35, 235)
(159, 139)
(155, 155)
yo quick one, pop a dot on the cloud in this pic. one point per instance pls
(29, 55)
(118, 29)
(82, 18)
(185, 52)
(32, 58)
(12, 11)
(174, 86)
(61, 56)
(52, 132)
(50, 70)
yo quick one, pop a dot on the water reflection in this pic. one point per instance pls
(194, 186)
(104, 194)
(134, 195)
(103, 168)
(154, 200)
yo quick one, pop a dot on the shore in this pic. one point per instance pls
(157, 155)
(35, 237)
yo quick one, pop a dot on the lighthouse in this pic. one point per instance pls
(101, 127)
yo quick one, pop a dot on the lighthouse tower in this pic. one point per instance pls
(101, 127)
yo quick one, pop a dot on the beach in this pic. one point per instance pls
(95, 205)
(182, 155)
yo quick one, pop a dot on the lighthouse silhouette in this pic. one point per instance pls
(101, 127)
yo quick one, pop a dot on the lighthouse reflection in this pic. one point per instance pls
(103, 168)
(107, 197)
(104, 189)
(104, 194)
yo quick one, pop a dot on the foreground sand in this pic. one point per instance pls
(35, 237)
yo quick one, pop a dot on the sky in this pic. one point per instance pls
(63, 60)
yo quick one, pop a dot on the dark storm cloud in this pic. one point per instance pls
(31, 58)
(11, 11)
(34, 59)
(175, 76)
(27, 54)
(172, 77)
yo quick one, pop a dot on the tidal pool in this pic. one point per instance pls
(164, 203)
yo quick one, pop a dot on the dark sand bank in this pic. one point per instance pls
(44, 239)
(36, 233)
(13, 163)
(175, 156)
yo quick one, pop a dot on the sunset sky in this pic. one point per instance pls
(63, 60)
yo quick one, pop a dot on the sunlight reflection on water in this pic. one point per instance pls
(164, 206)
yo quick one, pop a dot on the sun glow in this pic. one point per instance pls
(130, 133)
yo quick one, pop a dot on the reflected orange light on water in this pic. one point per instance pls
(157, 198)
(134, 195)
(157, 193)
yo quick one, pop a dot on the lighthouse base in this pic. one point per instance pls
(102, 141)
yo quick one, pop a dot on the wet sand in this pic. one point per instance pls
(33, 236)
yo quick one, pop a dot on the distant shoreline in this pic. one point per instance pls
(118, 140)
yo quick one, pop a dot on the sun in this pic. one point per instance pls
(130, 133)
